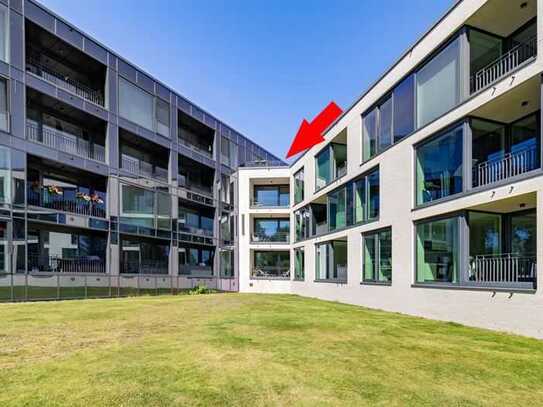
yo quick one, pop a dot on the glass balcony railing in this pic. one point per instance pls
(195, 230)
(194, 186)
(143, 168)
(144, 267)
(87, 205)
(82, 264)
(49, 74)
(64, 141)
(278, 237)
(271, 272)
(195, 270)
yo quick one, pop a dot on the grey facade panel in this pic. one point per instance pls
(95, 110)
(128, 71)
(145, 83)
(69, 35)
(95, 50)
(40, 85)
(16, 40)
(163, 92)
(16, 5)
(70, 99)
(39, 16)
(17, 115)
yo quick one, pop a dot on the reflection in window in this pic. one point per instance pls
(366, 197)
(439, 167)
(135, 104)
(4, 33)
(404, 108)
(271, 195)
(337, 209)
(299, 186)
(438, 87)
(331, 261)
(437, 251)
(377, 256)
(275, 264)
(299, 264)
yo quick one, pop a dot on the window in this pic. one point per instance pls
(227, 263)
(271, 264)
(226, 228)
(366, 197)
(299, 264)
(438, 84)
(4, 34)
(135, 104)
(145, 208)
(271, 195)
(229, 153)
(271, 230)
(162, 118)
(437, 251)
(377, 256)
(385, 124)
(302, 219)
(323, 175)
(337, 209)
(4, 108)
(299, 186)
(331, 163)
(404, 108)
(331, 261)
(439, 167)
(369, 135)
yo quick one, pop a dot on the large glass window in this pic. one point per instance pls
(299, 264)
(437, 251)
(323, 169)
(331, 261)
(162, 118)
(385, 124)
(135, 104)
(145, 208)
(4, 109)
(366, 197)
(404, 108)
(439, 167)
(274, 264)
(299, 186)
(227, 263)
(149, 256)
(4, 34)
(438, 85)
(484, 49)
(369, 134)
(271, 195)
(229, 152)
(271, 230)
(377, 256)
(337, 209)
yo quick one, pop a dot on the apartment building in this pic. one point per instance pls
(111, 182)
(426, 196)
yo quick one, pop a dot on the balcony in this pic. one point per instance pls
(271, 264)
(270, 196)
(195, 176)
(501, 67)
(85, 264)
(56, 199)
(511, 165)
(63, 141)
(34, 66)
(63, 65)
(195, 270)
(143, 168)
(195, 135)
(197, 187)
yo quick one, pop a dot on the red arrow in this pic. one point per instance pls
(310, 134)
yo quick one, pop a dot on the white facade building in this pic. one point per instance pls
(426, 196)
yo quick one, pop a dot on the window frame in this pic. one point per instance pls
(375, 235)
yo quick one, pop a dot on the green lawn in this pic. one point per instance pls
(240, 349)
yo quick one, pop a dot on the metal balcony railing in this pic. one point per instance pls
(34, 66)
(42, 198)
(143, 168)
(505, 64)
(277, 237)
(256, 203)
(144, 267)
(270, 272)
(502, 268)
(512, 164)
(63, 141)
(84, 264)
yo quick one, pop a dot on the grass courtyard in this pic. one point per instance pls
(240, 349)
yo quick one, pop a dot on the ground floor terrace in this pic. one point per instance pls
(247, 349)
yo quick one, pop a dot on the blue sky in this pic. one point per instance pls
(261, 67)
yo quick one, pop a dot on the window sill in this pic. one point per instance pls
(475, 288)
(270, 278)
(378, 283)
(331, 281)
